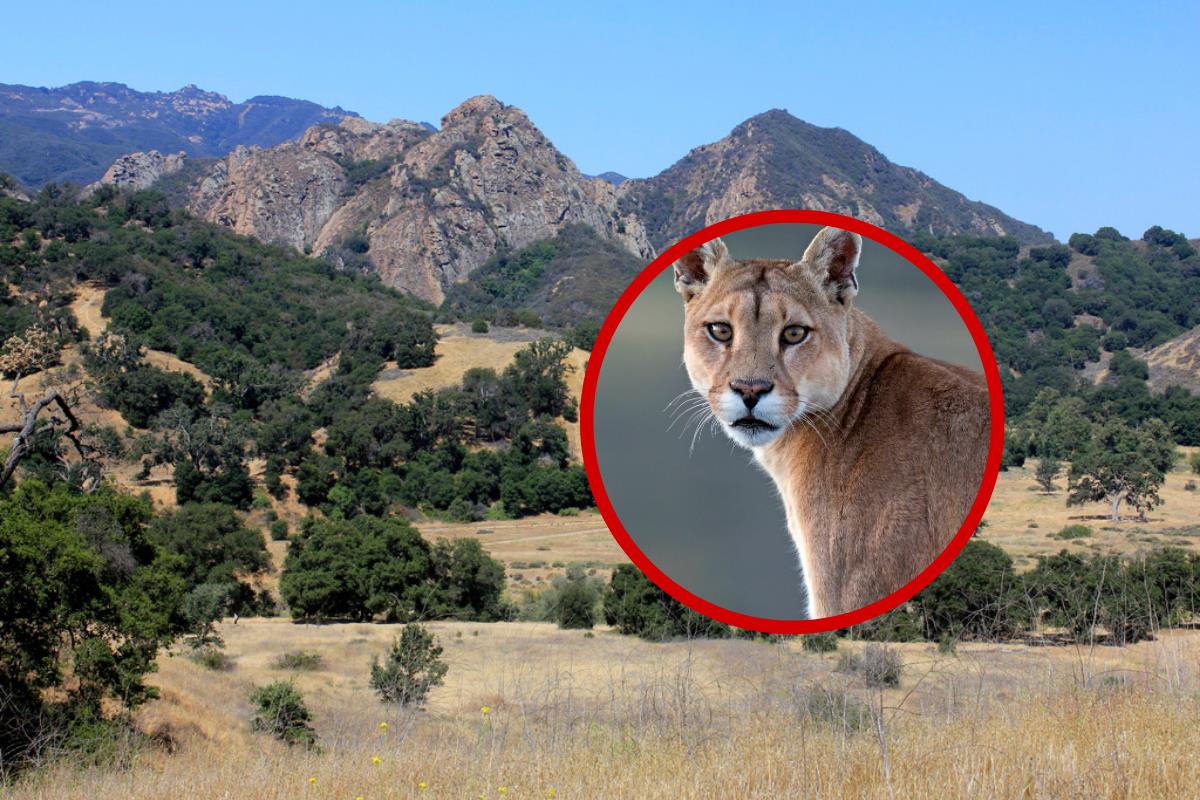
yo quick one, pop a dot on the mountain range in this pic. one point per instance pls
(74, 132)
(425, 207)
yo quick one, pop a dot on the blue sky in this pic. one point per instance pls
(1069, 116)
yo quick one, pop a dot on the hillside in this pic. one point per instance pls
(775, 160)
(574, 277)
(1176, 362)
(74, 132)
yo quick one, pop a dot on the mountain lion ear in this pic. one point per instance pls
(833, 258)
(693, 269)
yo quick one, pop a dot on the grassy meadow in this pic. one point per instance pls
(577, 714)
(569, 715)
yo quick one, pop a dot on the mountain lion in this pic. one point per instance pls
(877, 452)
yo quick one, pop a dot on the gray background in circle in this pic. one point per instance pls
(711, 520)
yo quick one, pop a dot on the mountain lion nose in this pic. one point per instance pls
(751, 391)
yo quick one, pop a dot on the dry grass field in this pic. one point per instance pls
(535, 549)
(1025, 521)
(609, 716)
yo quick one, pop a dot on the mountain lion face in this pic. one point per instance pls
(767, 341)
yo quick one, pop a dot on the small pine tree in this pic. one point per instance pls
(279, 710)
(1047, 470)
(412, 667)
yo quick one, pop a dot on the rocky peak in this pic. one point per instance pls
(432, 205)
(774, 160)
(478, 106)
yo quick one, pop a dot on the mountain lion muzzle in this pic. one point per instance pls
(877, 452)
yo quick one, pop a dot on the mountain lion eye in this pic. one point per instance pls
(719, 331)
(795, 334)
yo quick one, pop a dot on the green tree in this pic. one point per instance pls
(212, 543)
(83, 588)
(203, 606)
(1047, 470)
(538, 374)
(356, 569)
(469, 583)
(636, 607)
(1122, 463)
(411, 668)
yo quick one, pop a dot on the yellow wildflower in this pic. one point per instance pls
(486, 710)
(383, 726)
(313, 781)
(502, 790)
(421, 785)
(375, 759)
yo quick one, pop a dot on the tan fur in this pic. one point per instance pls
(877, 452)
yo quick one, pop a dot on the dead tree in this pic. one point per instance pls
(23, 355)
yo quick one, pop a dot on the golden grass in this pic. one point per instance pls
(541, 543)
(1019, 502)
(611, 716)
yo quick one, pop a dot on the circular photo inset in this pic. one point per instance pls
(792, 421)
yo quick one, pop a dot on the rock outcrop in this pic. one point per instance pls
(284, 194)
(430, 206)
(140, 170)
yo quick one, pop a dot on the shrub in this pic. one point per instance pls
(211, 656)
(637, 607)
(577, 599)
(947, 645)
(1190, 486)
(411, 668)
(279, 530)
(976, 596)
(479, 326)
(820, 642)
(300, 661)
(1194, 462)
(876, 665)
(1074, 532)
(279, 710)
(261, 501)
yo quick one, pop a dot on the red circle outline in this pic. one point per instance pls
(592, 375)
